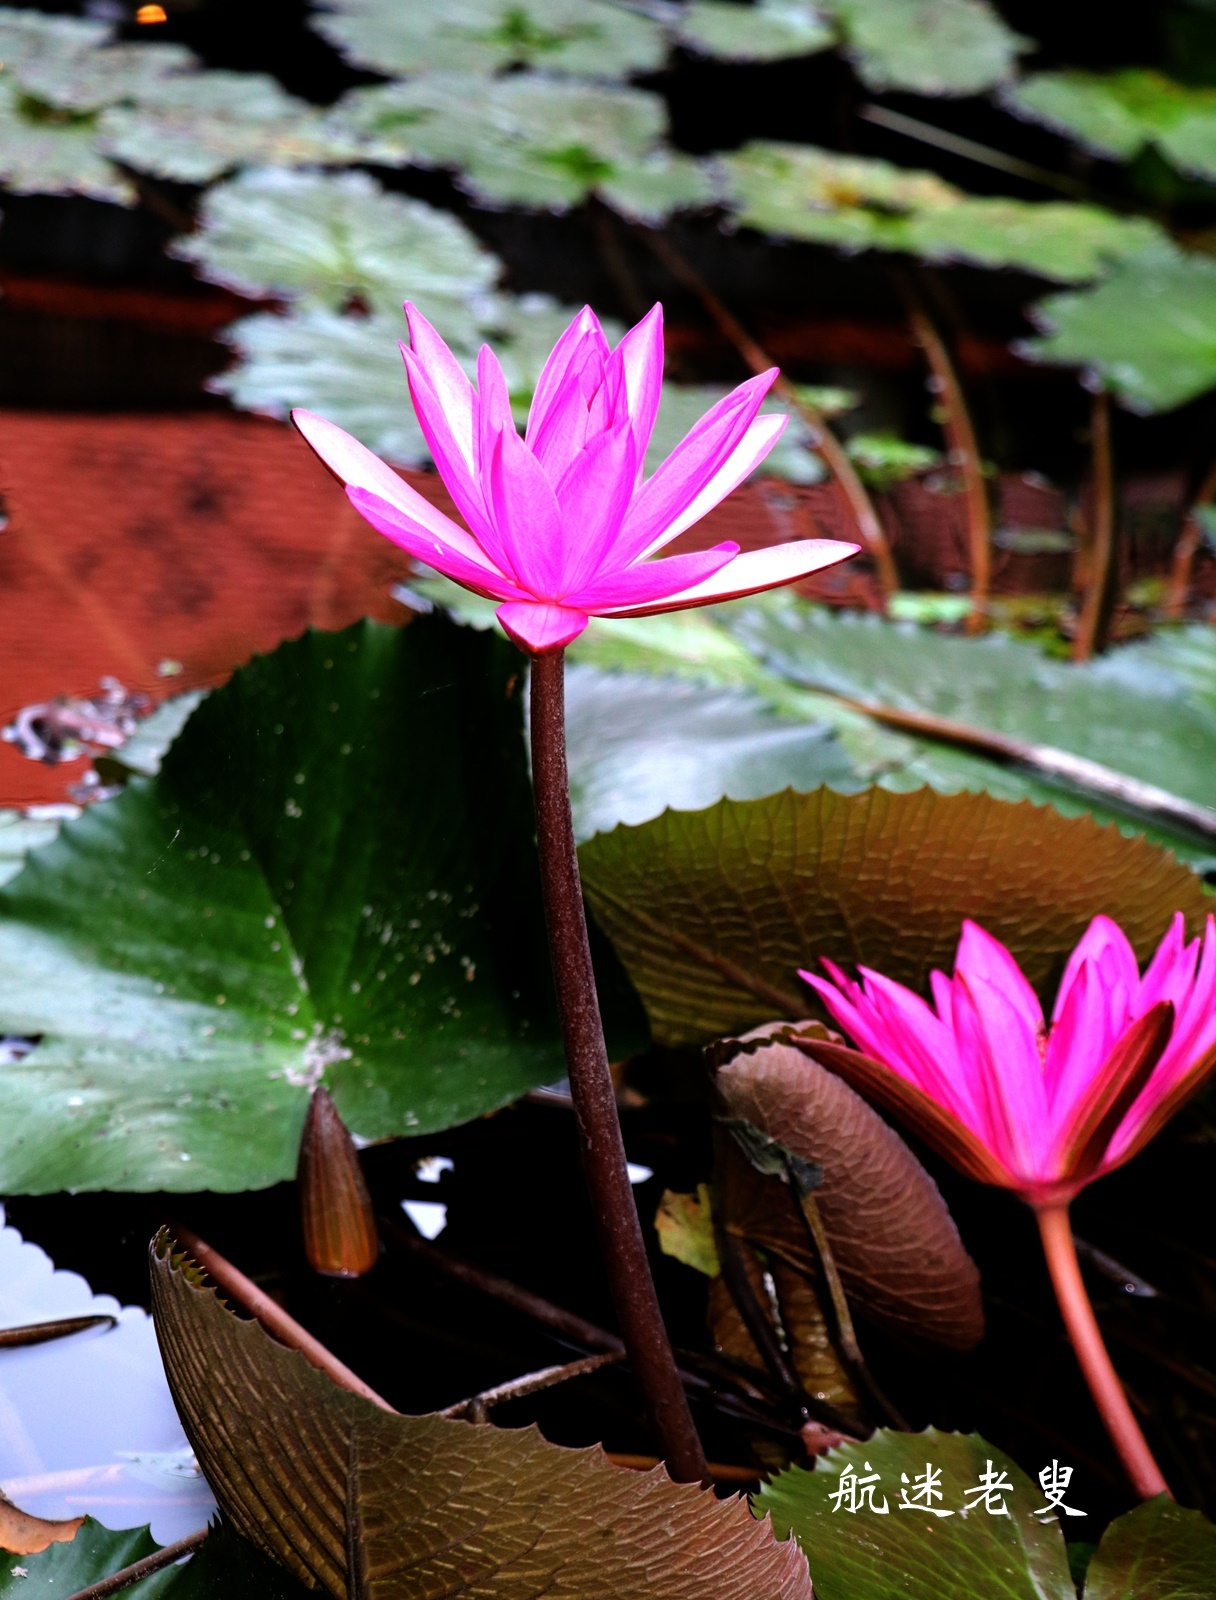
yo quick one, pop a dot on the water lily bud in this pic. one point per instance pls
(340, 1237)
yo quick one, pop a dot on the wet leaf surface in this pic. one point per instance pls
(928, 46)
(1148, 330)
(226, 1568)
(321, 239)
(766, 31)
(1159, 1551)
(855, 203)
(865, 1554)
(590, 37)
(712, 912)
(1117, 114)
(427, 1504)
(201, 951)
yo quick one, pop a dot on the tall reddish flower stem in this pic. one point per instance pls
(599, 1129)
(1055, 1230)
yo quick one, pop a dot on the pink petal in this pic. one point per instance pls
(563, 434)
(593, 496)
(1194, 1035)
(943, 996)
(1171, 972)
(651, 581)
(583, 336)
(1102, 942)
(1077, 1047)
(421, 543)
(742, 461)
(493, 404)
(749, 573)
(526, 515)
(691, 465)
(641, 353)
(981, 955)
(1003, 1074)
(928, 1048)
(449, 382)
(448, 454)
(538, 628)
(358, 468)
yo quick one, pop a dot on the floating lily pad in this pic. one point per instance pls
(1139, 710)
(47, 151)
(947, 47)
(346, 368)
(858, 204)
(765, 31)
(592, 37)
(194, 128)
(312, 889)
(712, 912)
(1054, 238)
(328, 239)
(804, 192)
(857, 1551)
(532, 139)
(638, 744)
(877, 1548)
(1148, 330)
(226, 1568)
(1159, 1551)
(1118, 114)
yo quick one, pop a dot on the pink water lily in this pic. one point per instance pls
(1012, 1101)
(563, 525)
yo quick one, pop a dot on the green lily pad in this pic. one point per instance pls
(331, 878)
(870, 1554)
(947, 47)
(1118, 114)
(47, 151)
(1055, 238)
(884, 459)
(73, 103)
(802, 192)
(639, 744)
(1148, 331)
(225, 1568)
(1159, 1551)
(592, 37)
(327, 238)
(1139, 710)
(195, 128)
(531, 139)
(27, 37)
(746, 644)
(346, 368)
(713, 912)
(765, 31)
(77, 78)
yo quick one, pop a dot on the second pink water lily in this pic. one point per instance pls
(562, 524)
(1042, 1108)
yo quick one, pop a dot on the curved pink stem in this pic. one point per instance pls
(1055, 1230)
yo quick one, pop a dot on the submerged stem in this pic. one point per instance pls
(1130, 1443)
(599, 1129)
